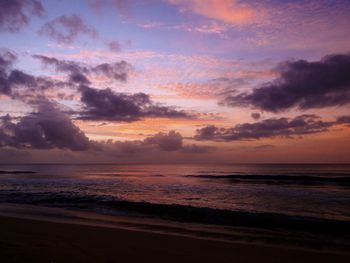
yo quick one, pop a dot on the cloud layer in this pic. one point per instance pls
(50, 128)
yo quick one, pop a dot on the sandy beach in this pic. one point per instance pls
(25, 240)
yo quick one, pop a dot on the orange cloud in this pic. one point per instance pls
(229, 11)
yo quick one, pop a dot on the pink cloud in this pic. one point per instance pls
(229, 11)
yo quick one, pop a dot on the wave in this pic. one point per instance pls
(283, 179)
(17, 172)
(181, 213)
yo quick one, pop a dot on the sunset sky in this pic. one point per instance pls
(172, 81)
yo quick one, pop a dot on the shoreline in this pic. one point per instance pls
(133, 240)
(26, 240)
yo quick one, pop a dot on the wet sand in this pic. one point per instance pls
(26, 240)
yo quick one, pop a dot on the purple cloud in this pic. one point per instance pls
(6, 60)
(343, 119)
(15, 14)
(105, 104)
(113, 46)
(269, 128)
(117, 70)
(255, 115)
(20, 85)
(302, 84)
(50, 128)
(66, 29)
(122, 6)
(46, 128)
(169, 142)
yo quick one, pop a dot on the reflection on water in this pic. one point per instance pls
(285, 189)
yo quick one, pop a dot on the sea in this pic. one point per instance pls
(296, 197)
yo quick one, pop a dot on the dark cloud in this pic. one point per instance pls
(169, 142)
(343, 119)
(160, 142)
(79, 78)
(62, 65)
(269, 128)
(101, 104)
(50, 128)
(6, 60)
(302, 84)
(20, 85)
(46, 128)
(105, 104)
(66, 29)
(17, 77)
(12, 78)
(117, 70)
(255, 115)
(15, 14)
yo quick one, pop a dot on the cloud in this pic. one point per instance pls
(265, 147)
(50, 128)
(117, 70)
(302, 84)
(47, 128)
(122, 6)
(79, 78)
(66, 29)
(255, 115)
(20, 85)
(6, 60)
(228, 11)
(149, 25)
(161, 142)
(343, 119)
(269, 128)
(113, 46)
(197, 149)
(104, 104)
(213, 28)
(169, 142)
(15, 14)
(61, 65)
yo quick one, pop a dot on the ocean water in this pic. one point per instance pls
(203, 193)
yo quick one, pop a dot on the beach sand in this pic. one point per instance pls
(26, 240)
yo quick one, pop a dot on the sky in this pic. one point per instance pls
(174, 81)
